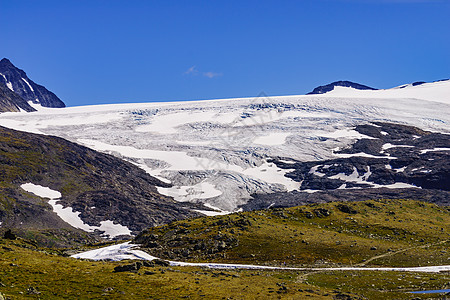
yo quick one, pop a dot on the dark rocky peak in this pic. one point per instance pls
(329, 87)
(18, 82)
(6, 62)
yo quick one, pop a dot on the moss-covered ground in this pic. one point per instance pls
(370, 233)
(377, 233)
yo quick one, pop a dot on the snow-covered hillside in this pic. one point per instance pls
(218, 151)
(434, 91)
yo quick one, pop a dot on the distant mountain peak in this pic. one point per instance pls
(329, 87)
(18, 82)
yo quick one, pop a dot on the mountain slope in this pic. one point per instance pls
(100, 187)
(329, 87)
(18, 82)
(10, 101)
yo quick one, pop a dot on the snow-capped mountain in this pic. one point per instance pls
(18, 82)
(224, 152)
(329, 87)
(431, 91)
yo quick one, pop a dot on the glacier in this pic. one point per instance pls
(218, 152)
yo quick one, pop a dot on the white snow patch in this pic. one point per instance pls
(397, 185)
(115, 253)
(361, 154)
(287, 161)
(434, 150)
(8, 84)
(41, 191)
(389, 146)
(354, 177)
(270, 173)
(315, 172)
(345, 133)
(309, 191)
(275, 138)
(402, 169)
(202, 190)
(31, 88)
(112, 230)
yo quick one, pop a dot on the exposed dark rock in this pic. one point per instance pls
(9, 235)
(346, 209)
(160, 262)
(10, 101)
(32, 291)
(129, 267)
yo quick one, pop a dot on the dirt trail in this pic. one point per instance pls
(397, 252)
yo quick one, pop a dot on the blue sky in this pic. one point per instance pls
(92, 52)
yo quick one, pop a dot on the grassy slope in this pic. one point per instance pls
(57, 277)
(263, 237)
(24, 270)
(398, 232)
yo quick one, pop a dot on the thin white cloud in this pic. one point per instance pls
(212, 74)
(191, 71)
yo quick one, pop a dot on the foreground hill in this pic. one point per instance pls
(94, 188)
(402, 233)
(369, 233)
